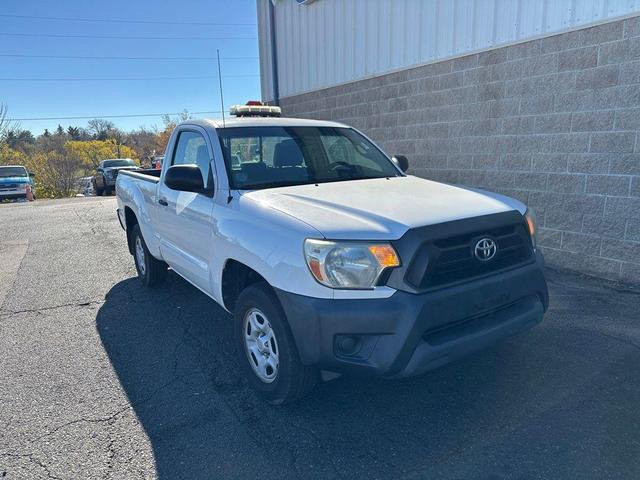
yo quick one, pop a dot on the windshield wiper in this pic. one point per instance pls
(348, 179)
(260, 186)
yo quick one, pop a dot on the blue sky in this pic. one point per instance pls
(28, 98)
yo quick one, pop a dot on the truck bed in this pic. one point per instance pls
(147, 175)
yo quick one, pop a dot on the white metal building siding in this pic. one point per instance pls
(329, 42)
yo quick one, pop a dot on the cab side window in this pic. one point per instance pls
(191, 149)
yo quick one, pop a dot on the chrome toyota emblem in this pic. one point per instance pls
(485, 249)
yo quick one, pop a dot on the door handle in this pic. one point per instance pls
(163, 202)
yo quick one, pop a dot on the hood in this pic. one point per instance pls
(7, 180)
(380, 209)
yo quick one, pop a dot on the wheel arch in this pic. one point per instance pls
(236, 276)
(130, 221)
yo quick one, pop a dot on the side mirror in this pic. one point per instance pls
(31, 174)
(185, 178)
(401, 161)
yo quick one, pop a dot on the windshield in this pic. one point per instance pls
(119, 163)
(6, 172)
(266, 157)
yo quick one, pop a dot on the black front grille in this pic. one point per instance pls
(455, 259)
(437, 255)
(9, 186)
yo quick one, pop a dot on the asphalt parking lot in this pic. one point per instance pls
(100, 378)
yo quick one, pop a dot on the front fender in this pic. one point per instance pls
(267, 241)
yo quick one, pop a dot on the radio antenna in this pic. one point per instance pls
(220, 80)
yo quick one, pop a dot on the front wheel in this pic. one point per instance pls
(266, 350)
(151, 271)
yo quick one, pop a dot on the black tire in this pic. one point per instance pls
(293, 379)
(152, 272)
(97, 190)
(104, 188)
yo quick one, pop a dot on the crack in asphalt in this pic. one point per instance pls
(83, 220)
(31, 457)
(111, 454)
(114, 415)
(83, 303)
(186, 329)
(3, 299)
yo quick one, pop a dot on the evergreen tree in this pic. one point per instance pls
(74, 133)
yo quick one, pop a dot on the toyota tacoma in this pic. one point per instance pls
(331, 259)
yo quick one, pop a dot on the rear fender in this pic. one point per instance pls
(139, 197)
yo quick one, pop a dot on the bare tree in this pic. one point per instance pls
(101, 128)
(6, 125)
(181, 117)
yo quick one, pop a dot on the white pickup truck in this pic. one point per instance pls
(331, 259)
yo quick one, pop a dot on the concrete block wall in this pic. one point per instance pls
(554, 122)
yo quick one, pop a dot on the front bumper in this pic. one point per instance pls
(408, 334)
(13, 195)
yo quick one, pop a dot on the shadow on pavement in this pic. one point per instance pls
(549, 403)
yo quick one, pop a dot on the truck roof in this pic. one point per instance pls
(262, 122)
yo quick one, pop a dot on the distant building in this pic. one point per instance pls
(538, 99)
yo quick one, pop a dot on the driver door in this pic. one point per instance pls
(185, 219)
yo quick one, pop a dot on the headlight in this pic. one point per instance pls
(532, 225)
(348, 264)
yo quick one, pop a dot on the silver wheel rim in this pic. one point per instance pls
(140, 256)
(261, 345)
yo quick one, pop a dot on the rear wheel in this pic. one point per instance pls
(151, 271)
(267, 352)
